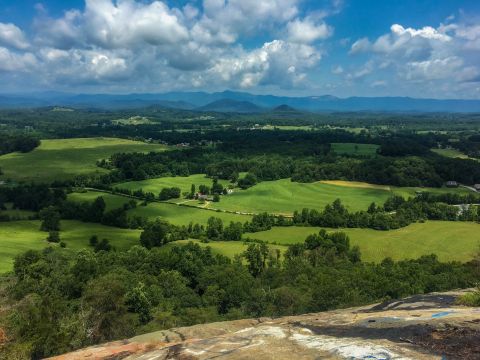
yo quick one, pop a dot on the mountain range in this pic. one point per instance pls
(241, 102)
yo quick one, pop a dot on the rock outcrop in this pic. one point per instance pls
(420, 327)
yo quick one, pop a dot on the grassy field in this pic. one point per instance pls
(451, 153)
(402, 191)
(178, 215)
(183, 182)
(19, 236)
(66, 158)
(355, 149)
(284, 196)
(226, 248)
(449, 240)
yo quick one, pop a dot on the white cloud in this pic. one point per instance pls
(11, 61)
(277, 62)
(12, 36)
(337, 70)
(361, 45)
(307, 31)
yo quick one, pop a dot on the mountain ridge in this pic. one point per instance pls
(198, 100)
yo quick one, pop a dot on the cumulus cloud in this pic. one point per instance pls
(444, 55)
(11, 61)
(12, 36)
(277, 62)
(152, 43)
(307, 31)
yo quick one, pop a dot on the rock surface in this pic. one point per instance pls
(420, 327)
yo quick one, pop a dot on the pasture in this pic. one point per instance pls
(19, 236)
(176, 214)
(182, 182)
(62, 159)
(284, 197)
(450, 241)
(355, 149)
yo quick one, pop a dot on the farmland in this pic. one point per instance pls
(182, 182)
(448, 240)
(176, 214)
(62, 159)
(19, 236)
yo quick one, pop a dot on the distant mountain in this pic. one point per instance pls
(284, 109)
(227, 105)
(231, 101)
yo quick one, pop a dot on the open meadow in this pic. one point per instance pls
(62, 159)
(182, 182)
(19, 236)
(284, 196)
(176, 214)
(450, 241)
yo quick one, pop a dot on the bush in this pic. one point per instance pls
(471, 298)
(53, 236)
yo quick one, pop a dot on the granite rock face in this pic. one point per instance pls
(420, 327)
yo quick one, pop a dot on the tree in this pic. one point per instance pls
(138, 302)
(216, 198)
(192, 191)
(233, 232)
(214, 228)
(50, 219)
(170, 193)
(154, 234)
(97, 209)
(256, 256)
(53, 236)
(103, 245)
(248, 181)
(93, 240)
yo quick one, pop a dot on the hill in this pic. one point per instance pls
(419, 327)
(228, 105)
(248, 102)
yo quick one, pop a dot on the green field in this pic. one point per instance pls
(284, 196)
(19, 236)
(226, 248)
(65, 158)
(449, 240)
(176, 214)
(355, 149)
(451, 153)
(182, 182)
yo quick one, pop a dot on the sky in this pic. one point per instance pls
(417, 48)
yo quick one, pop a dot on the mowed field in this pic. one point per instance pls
(182, 182)
(176, 214)
(65, 158)
(19, 236)
(355, 149)
(448, 240)
(284, 196)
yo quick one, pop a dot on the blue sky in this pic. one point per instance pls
(293, 47)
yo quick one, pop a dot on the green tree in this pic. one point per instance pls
(53, 236)
(214, 228)
(233, 232)
(50, 219)
(256, 256)
(154, 234)
(138, 302)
